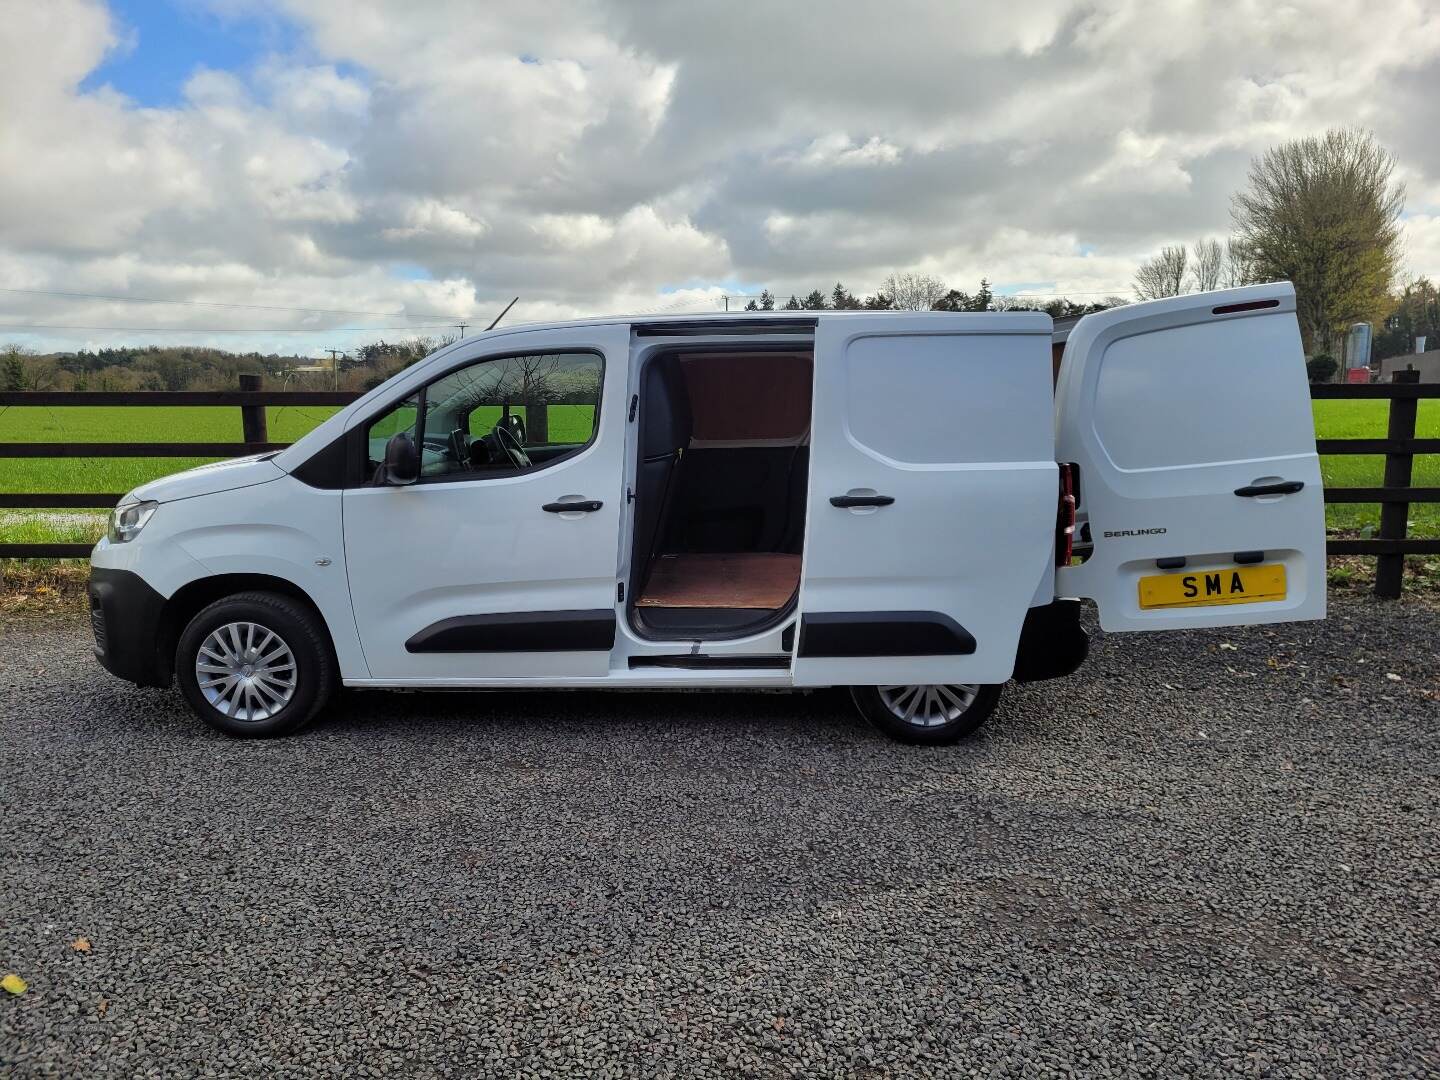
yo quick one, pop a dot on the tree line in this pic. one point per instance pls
(912, 291)
(189, 367)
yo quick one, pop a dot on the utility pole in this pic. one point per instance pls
(727, 303)
(335, 355)
(462, 327)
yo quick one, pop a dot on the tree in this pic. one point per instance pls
(1323, 213)
(815, 301)
(752, 306)
(1163, 275)
(878, 302)
(793, 304)
(842, 299)
(1239, 266)
(1416, 314)
(1207, 266)
(767, 300)
(955, 300)
(1321, 368)
(531, 381)
(12, 370)
(913, 292)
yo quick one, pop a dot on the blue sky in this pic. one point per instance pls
(166, 41)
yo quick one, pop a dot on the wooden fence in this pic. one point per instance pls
(1390, 546)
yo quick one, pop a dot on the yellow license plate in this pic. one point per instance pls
(1204, 588)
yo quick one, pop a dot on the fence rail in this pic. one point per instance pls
(1389, 546)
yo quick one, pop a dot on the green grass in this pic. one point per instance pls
(1368, 419)
(568, 423)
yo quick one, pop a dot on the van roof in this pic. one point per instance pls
(720, 322)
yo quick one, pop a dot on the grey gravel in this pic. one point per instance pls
(1206, 854)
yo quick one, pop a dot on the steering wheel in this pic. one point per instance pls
(506, 441)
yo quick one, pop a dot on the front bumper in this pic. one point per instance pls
(125, 620)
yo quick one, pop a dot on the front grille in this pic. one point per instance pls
(97, 624)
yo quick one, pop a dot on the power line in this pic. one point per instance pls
(223, 304)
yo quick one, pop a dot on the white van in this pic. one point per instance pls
(901, 503)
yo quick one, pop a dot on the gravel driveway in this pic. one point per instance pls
(1207, 854)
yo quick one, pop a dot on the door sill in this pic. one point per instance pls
(707, 662)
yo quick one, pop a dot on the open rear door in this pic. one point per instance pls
(1190, 421)
(930, 519)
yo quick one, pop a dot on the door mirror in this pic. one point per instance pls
(402, 460)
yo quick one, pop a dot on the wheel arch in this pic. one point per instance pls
(191, 598)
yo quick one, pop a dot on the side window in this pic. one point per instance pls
(501, 415)
(401, 418)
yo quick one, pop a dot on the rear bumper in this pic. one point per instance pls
(1052, 642)
(125, 620)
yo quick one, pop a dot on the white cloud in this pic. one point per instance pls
(592, 155)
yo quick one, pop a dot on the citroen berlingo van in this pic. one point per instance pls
(909, 505)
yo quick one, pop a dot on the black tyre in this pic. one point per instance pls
(255, 665)
(927, 715)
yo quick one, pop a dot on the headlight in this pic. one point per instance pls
(127, 519)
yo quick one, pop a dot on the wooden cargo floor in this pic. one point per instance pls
(747, 580)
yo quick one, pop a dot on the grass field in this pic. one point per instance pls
(568, 423)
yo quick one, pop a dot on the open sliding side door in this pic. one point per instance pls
(1190, 421)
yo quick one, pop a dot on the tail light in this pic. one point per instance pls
(1065, 515)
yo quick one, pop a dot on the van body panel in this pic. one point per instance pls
(947, 421)
(1176, 411)
(281, 528)
(423, 555)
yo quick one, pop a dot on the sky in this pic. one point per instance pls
(397, 167)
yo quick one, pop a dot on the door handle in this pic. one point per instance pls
(845, 501)
(1284, 487)
(581, 506)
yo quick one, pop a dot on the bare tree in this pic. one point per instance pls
(1324, 213)
(1163, 275)
(1239, 265)
(1207, 265)
(530, 381)
(913, 292)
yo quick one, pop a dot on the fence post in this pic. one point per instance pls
(1390, 569)
(252, 417)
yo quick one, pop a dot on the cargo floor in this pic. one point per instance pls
(763, 580)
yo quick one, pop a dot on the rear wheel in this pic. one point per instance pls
(255, 664)
(932, 715)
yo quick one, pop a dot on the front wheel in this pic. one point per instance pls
(255, 664)
(934, 715)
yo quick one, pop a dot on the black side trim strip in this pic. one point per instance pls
(519, 631)
(883, 633)
(704, 661)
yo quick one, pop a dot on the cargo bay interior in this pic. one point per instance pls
(720, 490)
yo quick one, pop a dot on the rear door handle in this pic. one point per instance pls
(580, 506)
(1284, 487)
(845, 501)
